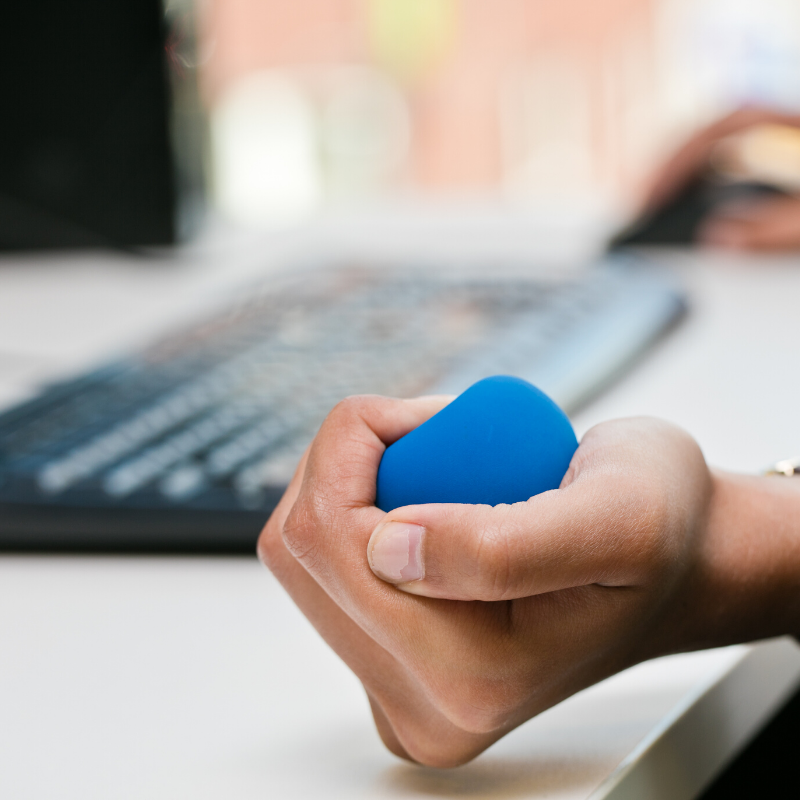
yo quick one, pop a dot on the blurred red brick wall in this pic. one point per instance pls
(457, 134)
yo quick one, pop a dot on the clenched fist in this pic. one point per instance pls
(464, 621)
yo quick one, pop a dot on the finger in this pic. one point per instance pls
(327, 531)
(679, 169)
(385, 729)
(281, 511)
(348, 448)
(330, 522)
(329, 525)
(340, 476)
(601, 527)
(692, 158)
(766, 225)
(360, 652)
(461, 552)
(408, 723)
(425, 407)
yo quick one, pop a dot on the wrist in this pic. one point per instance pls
(746, 584)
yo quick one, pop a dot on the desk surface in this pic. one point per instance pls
(141, 677)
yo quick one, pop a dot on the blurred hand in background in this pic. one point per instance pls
(755, 145)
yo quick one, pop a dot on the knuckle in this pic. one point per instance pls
(648, 528)
(419, 736)
(300, 534)
(270, 545)
(480, 689)
(349, 411)
(441, 752)
(471, 699)
(492, 563)
(481, 704)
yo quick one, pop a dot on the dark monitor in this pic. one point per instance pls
(84, 142)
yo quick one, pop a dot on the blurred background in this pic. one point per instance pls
(293, 107)
(277, 110)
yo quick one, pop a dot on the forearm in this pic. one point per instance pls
(747, 582)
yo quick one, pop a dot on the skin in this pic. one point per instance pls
(641, 552)
(764, 225)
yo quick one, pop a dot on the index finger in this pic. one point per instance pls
(344, 457)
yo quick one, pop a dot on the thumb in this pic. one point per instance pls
(469, 552)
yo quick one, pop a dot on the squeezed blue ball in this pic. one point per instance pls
(501, 441)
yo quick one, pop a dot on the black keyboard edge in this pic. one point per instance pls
(63, 529)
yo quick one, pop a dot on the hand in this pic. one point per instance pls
(768, 223)
(518, 607)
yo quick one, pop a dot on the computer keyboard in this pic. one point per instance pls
(187, 445)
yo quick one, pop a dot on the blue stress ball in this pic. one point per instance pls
(502, 441)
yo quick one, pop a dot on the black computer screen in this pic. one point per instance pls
(84, 141)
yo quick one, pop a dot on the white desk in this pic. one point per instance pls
(197, 678)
